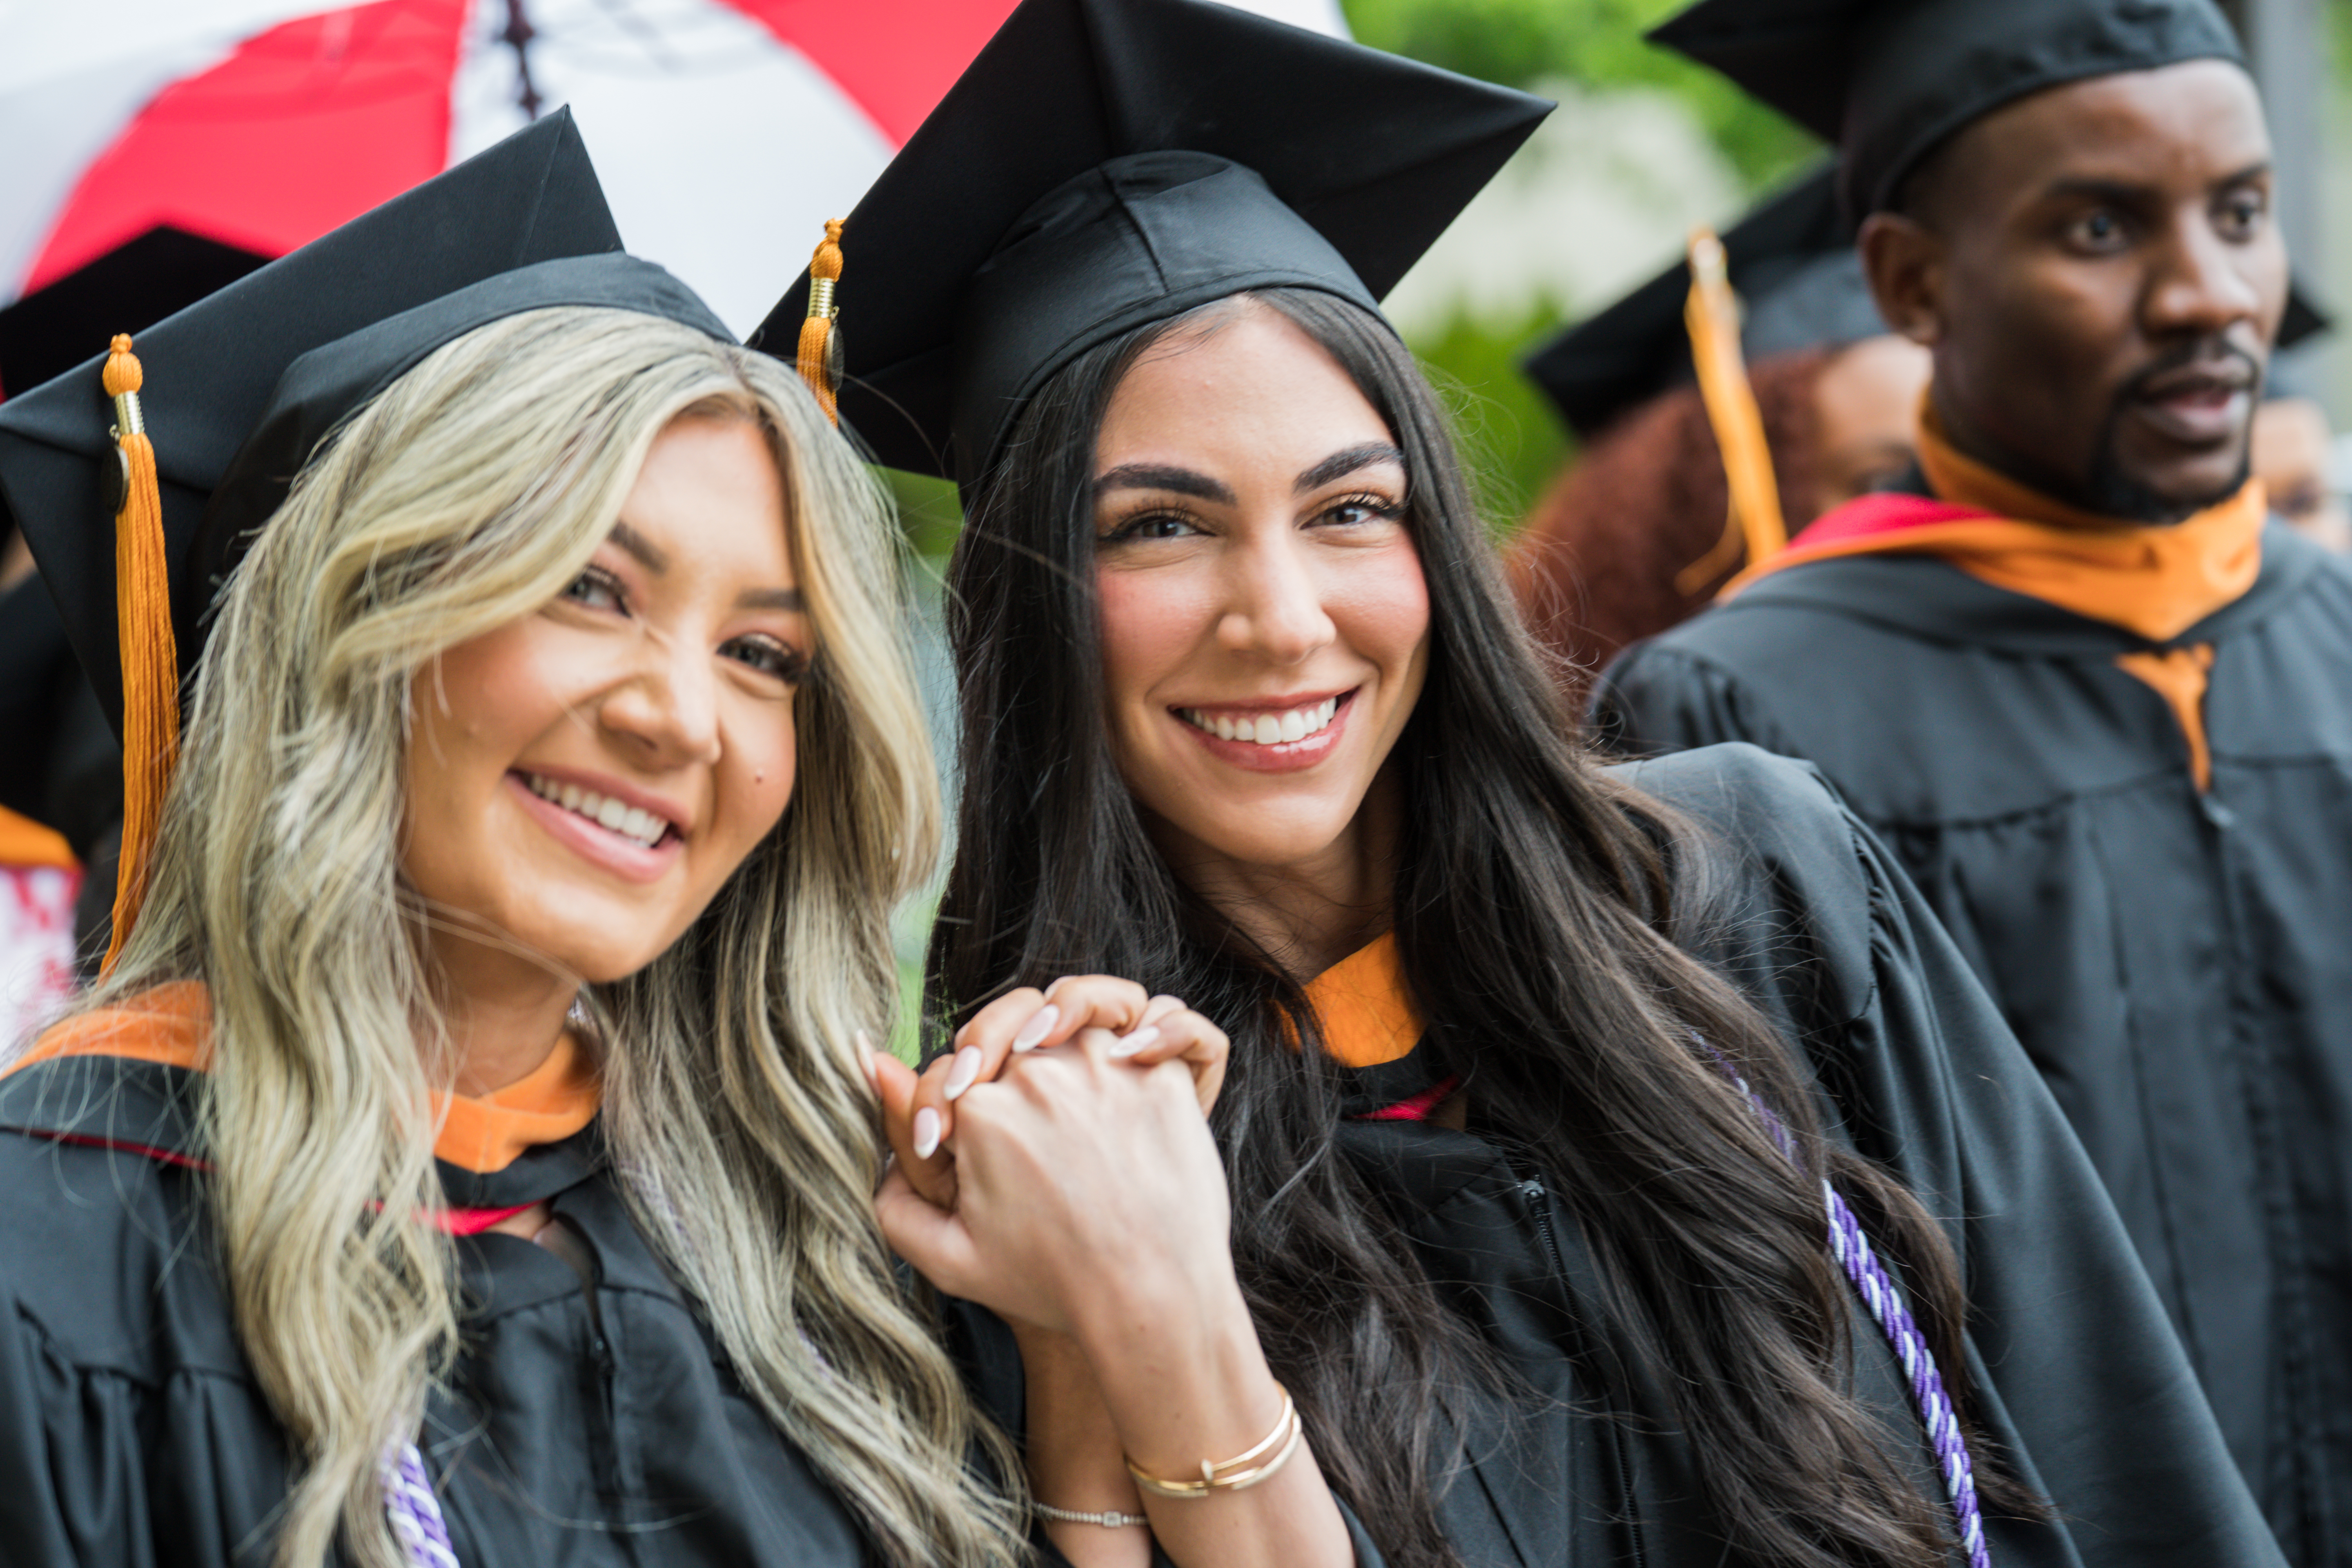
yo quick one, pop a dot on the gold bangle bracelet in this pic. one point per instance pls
(1234, 1474)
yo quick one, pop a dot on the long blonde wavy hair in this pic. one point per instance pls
(467, 495)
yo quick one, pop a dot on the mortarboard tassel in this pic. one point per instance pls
(150, 661)
(1753, 520)
(820, 357)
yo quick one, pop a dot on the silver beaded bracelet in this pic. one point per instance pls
(1107, 1520)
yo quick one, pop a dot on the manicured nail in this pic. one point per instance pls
(960, 1076)
(1128, 1045)
(1035, 1031)
(927, 1134)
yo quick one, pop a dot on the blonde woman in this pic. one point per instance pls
(467, 1156)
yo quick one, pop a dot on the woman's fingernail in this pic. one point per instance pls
(1034, 1032)
(927, 1134)
(1128, 1045)
(960, 1076)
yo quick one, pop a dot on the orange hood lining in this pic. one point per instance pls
(172, 1025)
(2155, 580)
(1366, 1011)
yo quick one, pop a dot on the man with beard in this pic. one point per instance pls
(2093, 700)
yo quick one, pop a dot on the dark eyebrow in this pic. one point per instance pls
(1153, 477)
(787, 599)
(2115, 193)
(647, 554)
(2125, 192)
(1340, 464)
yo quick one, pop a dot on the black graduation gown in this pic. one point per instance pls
(2083, 1380)
(2178, 965)
(583, 1426)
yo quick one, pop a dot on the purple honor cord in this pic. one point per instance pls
(413, 1511)
(1879, 1292)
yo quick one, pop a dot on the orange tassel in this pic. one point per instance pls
(820, 357)
(151, 661)
(1753, 520)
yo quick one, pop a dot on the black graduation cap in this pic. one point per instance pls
(1888, 79)
(1792, 262)
(128, 289)
(1104, 163)
(241, 387)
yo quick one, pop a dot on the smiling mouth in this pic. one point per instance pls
(1269, 729)
(632, 823)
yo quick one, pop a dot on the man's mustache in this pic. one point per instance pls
(2217, 358)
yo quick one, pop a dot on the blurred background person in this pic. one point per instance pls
(2292, 442)
(1630, 537)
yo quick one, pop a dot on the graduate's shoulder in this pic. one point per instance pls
(1775, 808)
(1856, 600)
(1785, 662)
(105, 1252)
(1791, 883)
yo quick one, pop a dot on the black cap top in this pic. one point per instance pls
(128, 289)
(241, 387)
(1792, 261)
(1104, 163)
(1888, 79)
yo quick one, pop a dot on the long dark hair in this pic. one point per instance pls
(1533, 902)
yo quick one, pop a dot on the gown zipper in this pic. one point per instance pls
(1539, 1200)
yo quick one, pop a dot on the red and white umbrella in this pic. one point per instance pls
(725, 130)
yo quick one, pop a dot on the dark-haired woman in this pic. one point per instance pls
(1608, 1168)
(1538, 1072)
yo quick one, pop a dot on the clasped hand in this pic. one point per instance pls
(1059, 1163)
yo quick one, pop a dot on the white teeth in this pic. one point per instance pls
(633, 823)
(1265, 729)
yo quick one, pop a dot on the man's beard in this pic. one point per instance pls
(2109, 492)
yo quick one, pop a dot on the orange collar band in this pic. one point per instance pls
(2154, 581)
(1365, 1012)
(173, 1025)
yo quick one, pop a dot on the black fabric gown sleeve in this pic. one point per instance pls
(129, 1437)
(2082, 1378)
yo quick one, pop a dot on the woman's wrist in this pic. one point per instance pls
(1071, 1444)
(1184, 1380)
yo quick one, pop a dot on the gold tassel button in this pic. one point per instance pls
(821, 363)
